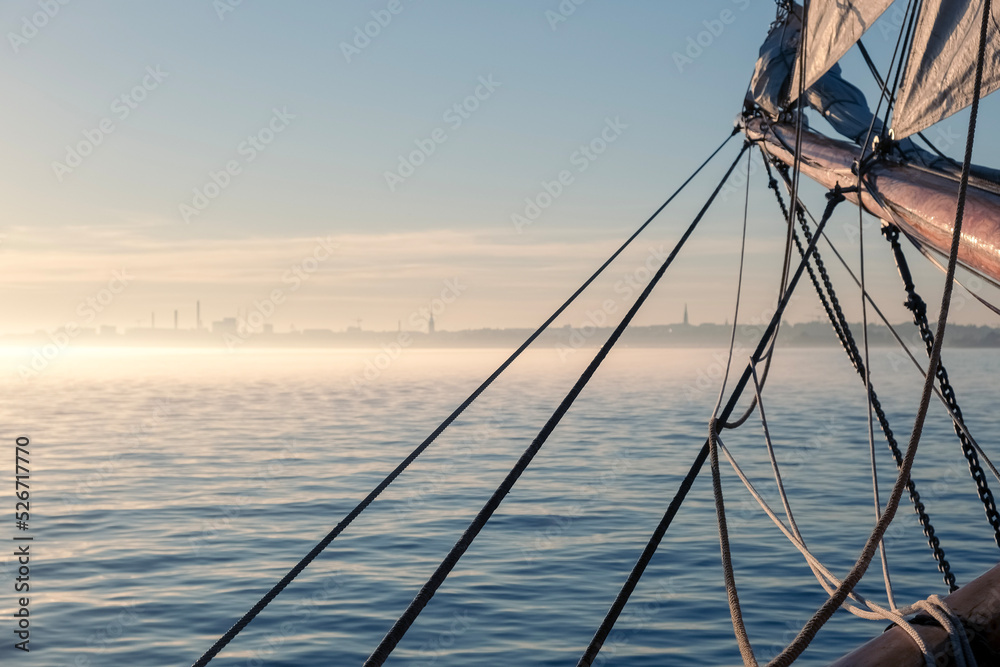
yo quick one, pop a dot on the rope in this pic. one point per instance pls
(601, 635)
(843, 331)
(746, 650)
(654, 540)
(883, 556)
(823, 614)
(933, 605)
(640, 565)
(952, 623)
(398, 470)
(406, 619)
(734, 603)
(736, 307)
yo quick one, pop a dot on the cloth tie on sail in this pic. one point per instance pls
(842, 104)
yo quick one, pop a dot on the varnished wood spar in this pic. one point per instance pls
(923, 203)
(978, 603)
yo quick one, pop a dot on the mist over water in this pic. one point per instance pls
(170, 489)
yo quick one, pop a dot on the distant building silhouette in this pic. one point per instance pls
(227, 325)
(686, 314)
(430, 325)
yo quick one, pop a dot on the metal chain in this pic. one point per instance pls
(918, 308)
(843, 331)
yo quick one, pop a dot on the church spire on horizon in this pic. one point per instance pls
(686, 314)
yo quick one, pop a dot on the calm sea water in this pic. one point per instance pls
(170, 489)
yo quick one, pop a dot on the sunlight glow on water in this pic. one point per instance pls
(172, 487)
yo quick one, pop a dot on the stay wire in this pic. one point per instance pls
(593, 649)
(419, 602)
(601, 635)
(398, 470)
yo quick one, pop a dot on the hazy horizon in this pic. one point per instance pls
(267, 157)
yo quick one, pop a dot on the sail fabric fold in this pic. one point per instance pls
(940, 74)
(834, 26)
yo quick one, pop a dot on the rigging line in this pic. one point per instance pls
(821, 573)
(419, 602)
(914, 360)
(739, 286)
(946, 393)
(398, 470)
(601, 635)
(800, 119)
(843, 330)
(735, 611)
(933, 260)
(768, 357)
(903, 57)
(827, 579)
(773, 458)
(823, 614)
(637, 571)
(883, 556)
(878, 79)
(883, 96)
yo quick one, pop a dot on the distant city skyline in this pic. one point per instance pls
(155, 155)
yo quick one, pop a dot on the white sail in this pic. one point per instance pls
(940, 74)
(834, 27)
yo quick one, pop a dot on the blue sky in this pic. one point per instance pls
(300, 131)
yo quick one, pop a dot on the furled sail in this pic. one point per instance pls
(940, 74)
(834, 27)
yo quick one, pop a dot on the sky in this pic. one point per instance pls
(272, 156)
